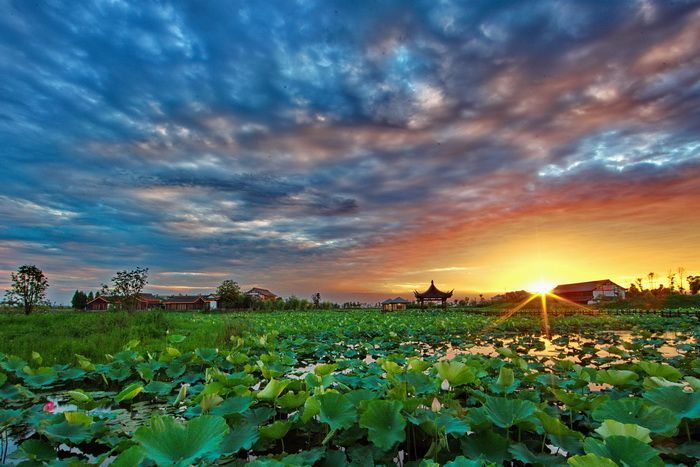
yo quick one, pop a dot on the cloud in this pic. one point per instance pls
(249, 140)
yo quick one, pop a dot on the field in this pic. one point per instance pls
(348, 387)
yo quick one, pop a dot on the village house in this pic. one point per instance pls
(185, 302)
(144, 301)
(590, 292)
(261, 294)
(394, 304)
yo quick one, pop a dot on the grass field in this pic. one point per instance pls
(59, 335)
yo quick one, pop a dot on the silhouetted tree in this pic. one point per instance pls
(316, 299)
(681, 272)
(651, 277)
(694, 284)
(28, 287)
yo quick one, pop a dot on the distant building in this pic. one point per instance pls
(394, 304)
(185, 302)
(590, 292)
(261, 294)
(98, 304)
(432, 294)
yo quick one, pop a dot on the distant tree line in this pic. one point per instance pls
(637, 288)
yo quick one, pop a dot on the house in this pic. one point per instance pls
(144, 301)
(99, 304)
(185, 302)
(212, 301)
(261, 294)
(590, 292)
(148, 301)
(394, 304)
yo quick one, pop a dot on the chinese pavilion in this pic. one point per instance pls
(433, 294)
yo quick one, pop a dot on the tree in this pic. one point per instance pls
(229, 294)
(693, 284)
(28, 287)
(681, 273)
(79, 300)
(671, 276)
(126, 287)
(90, 296)
(651, 277)
(316, 298)
(640, 286)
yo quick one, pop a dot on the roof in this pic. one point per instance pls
(433, 292)
(260, 291)
(148, 297)
(99, 297)
(183, 299)
(589, 286)
(389, 301)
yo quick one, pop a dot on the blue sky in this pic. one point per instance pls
(355, 148)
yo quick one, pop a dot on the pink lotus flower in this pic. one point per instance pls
(49, 407)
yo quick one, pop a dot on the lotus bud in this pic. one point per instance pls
(49, 407)
(436, 405)
(445, 386)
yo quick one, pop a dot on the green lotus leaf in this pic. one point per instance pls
(242, 436)
(523, 454)
(233, 405)
(273, 389)
(555, 427)
(210, 401)
(653, 382)
(276, 430)
(462, 461)
(456, 373)
(3, 378)
(207, 354)
(79, 396)
(624, 450)
(384, 423)
(129, 458)
(612, 428)
(661, 370)
(336, 411)
(175, 369)
(38, 450)
(508, 412)
(506, 382)
(325, 369)
(66, 431)
(80, 418)
(635, 410)
(486, 444)
(682, 404)
(168, 442)
(259, 415)
(159, 388)
(312, 407)
(129, 392)
(591, 460)
(616, 378)
(292, 400)
(176, 338)
(39, 377)
(693, 382)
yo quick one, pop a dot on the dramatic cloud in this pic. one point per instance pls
(349, 147)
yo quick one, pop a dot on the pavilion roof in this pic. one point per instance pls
(433, 292)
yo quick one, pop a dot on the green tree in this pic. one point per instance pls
(126, 287)
(79, 300)
(316, 298)
(229, 293)
(28, 287)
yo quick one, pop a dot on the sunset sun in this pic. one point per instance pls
(541, 287)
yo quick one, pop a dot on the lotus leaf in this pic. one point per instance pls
(591, 460)
(129, 392)
(276, 430)
(242, 436)
(613, 428)
(456, 373)
(682, 404)
(624, 450)
(337, 411)
(616, 377)
(508, 412)
(635, 410)
(384, 423)
(168, 442)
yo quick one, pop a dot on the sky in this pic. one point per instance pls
(357, 149)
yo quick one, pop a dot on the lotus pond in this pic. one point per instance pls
(330, 388)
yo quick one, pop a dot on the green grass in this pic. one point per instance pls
(59, 335)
